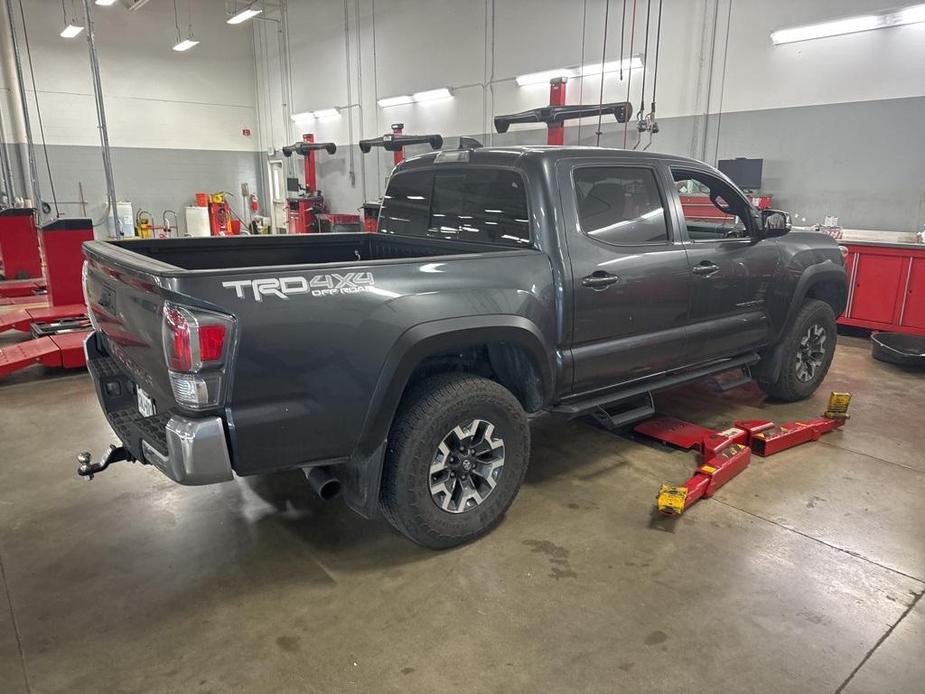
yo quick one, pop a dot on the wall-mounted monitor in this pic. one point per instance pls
(745, 173)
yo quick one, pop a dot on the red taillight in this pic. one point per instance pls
(194, 339)
(211, 342)
(177, 340)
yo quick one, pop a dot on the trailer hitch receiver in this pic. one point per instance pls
(86, 468)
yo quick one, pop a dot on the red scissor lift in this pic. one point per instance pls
(58, 329)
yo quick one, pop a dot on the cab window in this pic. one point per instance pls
(712, 208)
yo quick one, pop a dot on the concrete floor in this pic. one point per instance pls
(805, 574)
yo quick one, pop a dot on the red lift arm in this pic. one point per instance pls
(555, 115)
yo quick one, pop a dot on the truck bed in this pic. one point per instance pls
(228, 252)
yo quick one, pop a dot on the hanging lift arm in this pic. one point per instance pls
(395, 143)
(622, 111)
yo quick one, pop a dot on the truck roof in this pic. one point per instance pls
(509, 155)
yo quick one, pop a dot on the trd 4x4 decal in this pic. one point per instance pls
(319, 285)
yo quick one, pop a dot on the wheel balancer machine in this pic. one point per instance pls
(394, 142)
(308, 212)
(557, 112)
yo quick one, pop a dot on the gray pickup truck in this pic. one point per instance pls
(401, 366)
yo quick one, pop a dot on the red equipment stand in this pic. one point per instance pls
(10, 289)
(58, 330)
(724, 454)
(308, 213)
(555, 115)
(19, 245)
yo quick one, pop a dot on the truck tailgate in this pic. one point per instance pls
(126, 306)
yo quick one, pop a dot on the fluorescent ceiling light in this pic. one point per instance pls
(326, 113)
(613, 66)
(105, 3)
(70, 31)
(584, 71)
(543, 77)
(850, 25)
(243, 15)
(431, 94)
(185, 45)
(395, 101)
(305, 115)
(913, 14)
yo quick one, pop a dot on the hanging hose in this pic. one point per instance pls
(629, 79)
(642, 123)
(622, 39)
(600, 101)
(653, 125)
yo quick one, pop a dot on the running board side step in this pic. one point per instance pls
(616, 420)
(725, 385)
(590, 405)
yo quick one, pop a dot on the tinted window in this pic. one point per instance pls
(712, 209)
(406, 204)
(620, 205)
(487, 205)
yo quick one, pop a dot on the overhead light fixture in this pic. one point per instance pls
(544, 76)
(432, 94)
(395, 101)
(321, 113)
(71, 30)
(326, 113)
(632, 63)
(243, 15)
(913, 14)
(590, 69)
(185, 45)
(105, 3)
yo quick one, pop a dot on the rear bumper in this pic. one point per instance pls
(188, 450)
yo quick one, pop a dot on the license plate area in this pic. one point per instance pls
(146, 406)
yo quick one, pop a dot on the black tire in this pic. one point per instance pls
(795, 382)
(428, 412)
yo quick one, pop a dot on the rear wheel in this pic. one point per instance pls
(457, 455)
(807, 350)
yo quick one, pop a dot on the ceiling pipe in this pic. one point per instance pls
(35, 192)
(101, 121)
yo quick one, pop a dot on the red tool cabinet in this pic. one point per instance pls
(886, 287)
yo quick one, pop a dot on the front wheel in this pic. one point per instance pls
(807, 350)
(456, 457)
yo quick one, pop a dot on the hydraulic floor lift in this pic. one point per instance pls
(394, 142)
(724, 454)
(57, 331)
(557, 112)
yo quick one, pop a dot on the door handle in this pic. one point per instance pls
(705, 268)
(599, 280)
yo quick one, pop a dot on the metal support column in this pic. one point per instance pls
(101, 120)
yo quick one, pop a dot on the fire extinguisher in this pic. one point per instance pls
(254, 203)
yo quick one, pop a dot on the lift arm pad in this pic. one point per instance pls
(556, 115)
(304, 148)
(395, 143)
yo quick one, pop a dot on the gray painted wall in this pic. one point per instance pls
(152, 179)
(863, 162)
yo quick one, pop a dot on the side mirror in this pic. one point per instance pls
(775, 223)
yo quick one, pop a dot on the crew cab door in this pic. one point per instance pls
(732, 268)
(630, 277)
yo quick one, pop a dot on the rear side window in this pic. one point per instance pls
(483, 205)
(406, 204)
(620, 205)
